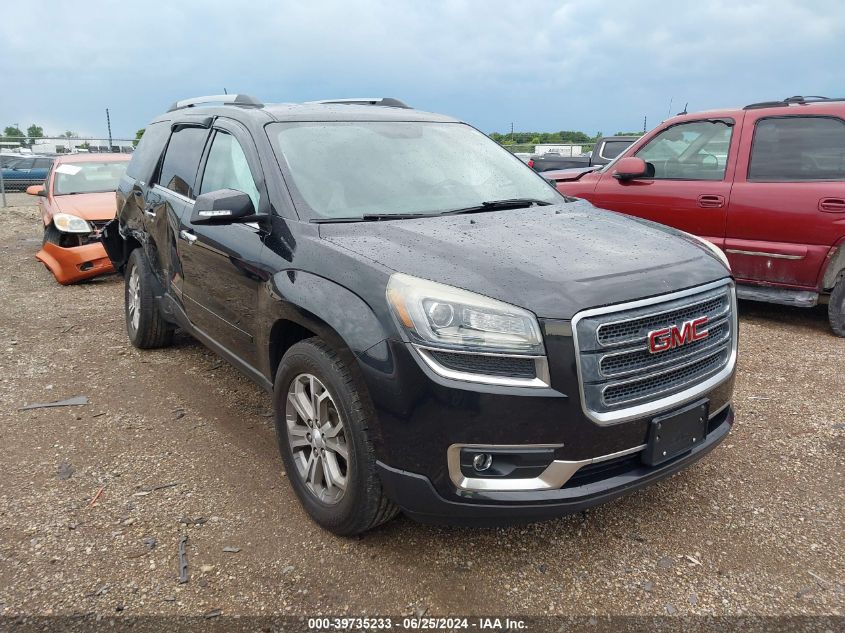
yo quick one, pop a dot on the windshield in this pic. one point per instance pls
(87, 177)
(352, 169)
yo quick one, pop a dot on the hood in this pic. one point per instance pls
(552, 260)
(88, 206)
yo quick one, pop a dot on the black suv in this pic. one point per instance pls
(442, 332)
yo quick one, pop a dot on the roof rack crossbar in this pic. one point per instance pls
(225, 99)
(389, 102)
(796, 100)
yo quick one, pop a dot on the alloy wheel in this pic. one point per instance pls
(134, 305)
(317, 438)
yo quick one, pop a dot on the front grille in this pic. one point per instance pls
(616, 368)
(488, 365)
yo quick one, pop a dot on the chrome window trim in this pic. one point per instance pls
(667, 402)
(541, 369)
(553, 477)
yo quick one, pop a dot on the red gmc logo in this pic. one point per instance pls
(675, 336)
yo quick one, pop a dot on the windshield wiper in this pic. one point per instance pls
(372, 217)
(498, 205)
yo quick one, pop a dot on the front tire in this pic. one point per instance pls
(836, 308)
(321, 427)
(145, 326)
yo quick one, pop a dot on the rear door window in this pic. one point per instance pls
(798, 148)
(697, 150)
(43, 163)
(181, 160)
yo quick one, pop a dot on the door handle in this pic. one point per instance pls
(711, 201)
(188, 236)
(832, 205)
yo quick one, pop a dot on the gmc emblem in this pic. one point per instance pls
(674, 336)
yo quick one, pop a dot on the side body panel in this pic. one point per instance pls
(780, 233)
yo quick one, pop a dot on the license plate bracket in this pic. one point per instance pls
(675, 433)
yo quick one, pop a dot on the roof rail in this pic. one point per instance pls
(377, 101)
(226, 99)
(796, 100)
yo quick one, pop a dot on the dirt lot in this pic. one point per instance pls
(755, 528)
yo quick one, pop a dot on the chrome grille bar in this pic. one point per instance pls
(621, 379)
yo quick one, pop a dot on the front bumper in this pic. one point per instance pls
(418, 498)
(70, 265)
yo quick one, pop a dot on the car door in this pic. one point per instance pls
(221, 262)
(40, 168)
(168, 199)
(693, 163)
(18, 173)
(789, 191)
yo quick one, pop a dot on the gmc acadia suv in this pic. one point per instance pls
(442, 331)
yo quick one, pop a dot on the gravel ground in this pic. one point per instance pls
(178, 435)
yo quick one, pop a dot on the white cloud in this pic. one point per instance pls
(547, 65)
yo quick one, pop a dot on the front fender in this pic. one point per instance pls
(322, 306)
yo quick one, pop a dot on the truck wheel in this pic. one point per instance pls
(836, 308)
(321, 427)
(144, 323)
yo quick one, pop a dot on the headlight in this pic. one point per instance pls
(68, 223)
(712, 247)
(450, 318)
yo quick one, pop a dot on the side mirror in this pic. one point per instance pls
(37, 190)
(632, 167)
(223, 206)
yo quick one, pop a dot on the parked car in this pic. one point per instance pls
(441, 330)
(606, 149)
(77, 200)
(765, 183)
(21, 173)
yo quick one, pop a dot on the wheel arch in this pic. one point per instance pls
(301, 305)
(835, 267)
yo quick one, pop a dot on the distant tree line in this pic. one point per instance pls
(562, 137)
(13, 134)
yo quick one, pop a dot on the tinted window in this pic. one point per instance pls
(612, 149)
(227, 168)
(798, 148)
(24, 163)
(43, 163)
(181, 159)
(690, 151)
(147, 153)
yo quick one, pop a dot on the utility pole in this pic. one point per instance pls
(511, 130)
(108, 123)
(645, 118)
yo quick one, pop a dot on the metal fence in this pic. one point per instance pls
(25, 160)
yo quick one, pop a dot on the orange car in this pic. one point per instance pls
(77, 200)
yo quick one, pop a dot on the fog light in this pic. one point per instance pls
(482, 461)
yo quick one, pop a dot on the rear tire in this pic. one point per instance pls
(836, 308)
(144, 324)
(341, 493)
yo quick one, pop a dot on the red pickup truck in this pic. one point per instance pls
(765, 183)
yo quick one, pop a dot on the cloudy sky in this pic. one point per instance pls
(541, 65)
